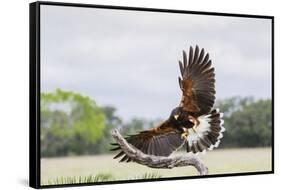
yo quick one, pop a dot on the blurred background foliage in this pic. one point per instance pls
(72, 124)
(248, 122)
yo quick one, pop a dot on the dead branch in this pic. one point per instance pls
(158, 161)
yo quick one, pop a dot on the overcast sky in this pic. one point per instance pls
(129, 59)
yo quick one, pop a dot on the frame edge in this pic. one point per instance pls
(34, 137)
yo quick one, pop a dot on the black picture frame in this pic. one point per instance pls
(34, 90)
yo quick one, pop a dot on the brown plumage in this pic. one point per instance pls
(193, 123)
(153, 140)
(197, 82)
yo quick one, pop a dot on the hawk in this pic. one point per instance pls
(194, 123)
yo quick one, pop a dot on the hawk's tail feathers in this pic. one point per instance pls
(207, 135)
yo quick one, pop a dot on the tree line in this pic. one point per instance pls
(72, 124)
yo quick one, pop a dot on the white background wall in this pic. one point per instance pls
(14, 73)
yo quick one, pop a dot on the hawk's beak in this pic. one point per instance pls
(176, 117)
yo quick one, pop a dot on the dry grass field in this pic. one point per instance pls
(218, 161)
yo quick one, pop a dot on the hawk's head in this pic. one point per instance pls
(180, 118)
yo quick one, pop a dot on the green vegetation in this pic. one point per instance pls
(248, 122)
(73, 124)
(70, 124)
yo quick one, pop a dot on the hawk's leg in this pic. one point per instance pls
(194, 129)
(195, 123)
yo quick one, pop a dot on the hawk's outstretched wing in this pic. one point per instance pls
(197, 82)
(158, 141)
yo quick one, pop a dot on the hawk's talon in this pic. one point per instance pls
(184, 135)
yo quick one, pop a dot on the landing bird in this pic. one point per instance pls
(194, 123)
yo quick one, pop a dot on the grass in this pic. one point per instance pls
(147, 175)
(96, 178)
(84, 169)
(81, 179)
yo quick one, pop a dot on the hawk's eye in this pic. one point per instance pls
(176, 117)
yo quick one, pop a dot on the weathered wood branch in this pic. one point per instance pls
(158, 161)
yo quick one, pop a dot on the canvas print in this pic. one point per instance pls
(132, 95)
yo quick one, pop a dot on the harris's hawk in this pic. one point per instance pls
(194, 123)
